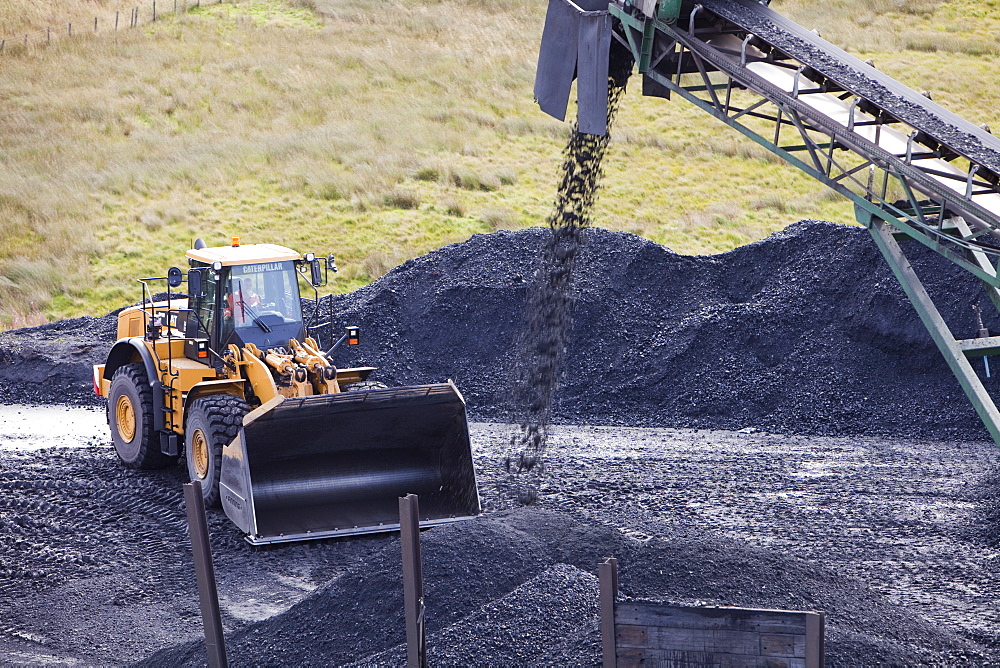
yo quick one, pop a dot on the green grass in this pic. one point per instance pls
(379, 131)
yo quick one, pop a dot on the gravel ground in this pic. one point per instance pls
(874, 532)
(877, 505)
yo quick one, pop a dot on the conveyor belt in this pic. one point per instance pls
(828, 114)
(902, 102)
(832, 103)
(913, 158)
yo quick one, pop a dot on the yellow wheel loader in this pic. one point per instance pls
(233, 378)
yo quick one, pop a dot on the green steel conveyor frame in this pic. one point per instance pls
(757, 72)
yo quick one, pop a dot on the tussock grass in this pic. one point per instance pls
(501, 218)
(378, 131)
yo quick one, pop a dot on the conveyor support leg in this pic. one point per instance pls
(950, 348)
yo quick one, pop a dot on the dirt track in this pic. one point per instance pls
(872, 531)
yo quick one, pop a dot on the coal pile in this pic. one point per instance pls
(517, 588)
(806, 331)
(524, 627)
(53, 363)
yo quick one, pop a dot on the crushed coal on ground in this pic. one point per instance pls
(544, 610)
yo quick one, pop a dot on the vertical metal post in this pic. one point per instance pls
(154, 11)
(48, 35)
(413, 583)
(69, 28)
(95, 25)
(116, 21)
(208, 594)
(608, 583)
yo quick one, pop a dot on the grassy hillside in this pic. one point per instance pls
(378, 131)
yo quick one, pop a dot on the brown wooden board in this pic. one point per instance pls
(675, 635)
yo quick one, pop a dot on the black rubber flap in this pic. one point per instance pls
(337, 462)
(576, 43)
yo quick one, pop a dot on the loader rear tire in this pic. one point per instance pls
(130, 419)
(366, 385)
(212, 423)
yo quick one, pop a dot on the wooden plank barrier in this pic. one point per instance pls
(636, 633)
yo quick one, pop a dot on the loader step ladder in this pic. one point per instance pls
(912, 169)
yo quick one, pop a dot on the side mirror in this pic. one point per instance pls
(194, 282)
(317, 273)
(174, 277)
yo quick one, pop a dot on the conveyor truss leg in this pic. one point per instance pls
(956, 352)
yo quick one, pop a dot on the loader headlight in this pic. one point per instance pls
(310, 257)
(217, 266)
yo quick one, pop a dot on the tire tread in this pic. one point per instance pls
(224, 414)
(149, 455)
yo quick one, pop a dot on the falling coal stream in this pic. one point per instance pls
(550, 303)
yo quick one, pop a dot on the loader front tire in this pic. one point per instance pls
(212, 423)
(130, 419)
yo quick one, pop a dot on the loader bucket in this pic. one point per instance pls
(576, 42)
(336, 464)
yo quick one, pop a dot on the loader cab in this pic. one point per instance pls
(250, 294)
(260, 305)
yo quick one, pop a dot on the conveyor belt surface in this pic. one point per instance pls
(863, 80)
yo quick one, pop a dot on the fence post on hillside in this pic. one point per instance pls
(95, 25)
(69, 28)
(154, 11)
(116, 21)
(48, 35)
